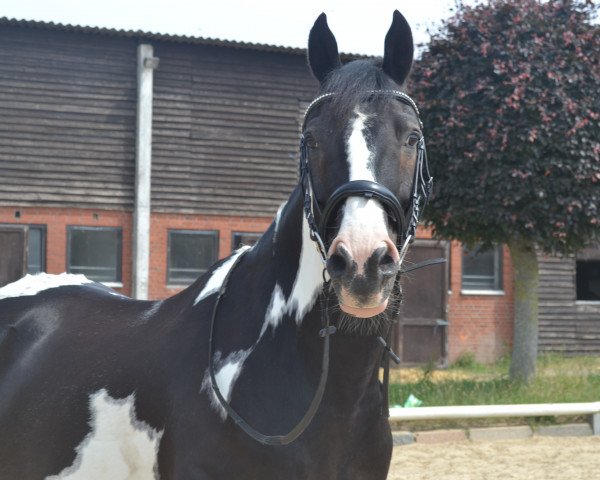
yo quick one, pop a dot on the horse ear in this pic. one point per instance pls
(323, 56)
(399, 49)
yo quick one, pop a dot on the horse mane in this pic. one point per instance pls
(353, 82)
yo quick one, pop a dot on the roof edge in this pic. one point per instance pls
(144, 35)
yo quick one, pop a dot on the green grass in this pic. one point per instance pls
(467, 382)
(500, 391)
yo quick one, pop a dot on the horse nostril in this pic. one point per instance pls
(386, 263)
(336, 265)
(339, 262)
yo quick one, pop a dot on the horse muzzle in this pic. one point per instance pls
(362, 274)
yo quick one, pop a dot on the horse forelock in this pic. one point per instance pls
(353, 83)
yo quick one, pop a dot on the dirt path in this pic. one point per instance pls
(538, 458)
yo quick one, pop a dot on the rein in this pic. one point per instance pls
(295, 432)
(407, 224)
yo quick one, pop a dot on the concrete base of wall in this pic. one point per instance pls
(491, 434)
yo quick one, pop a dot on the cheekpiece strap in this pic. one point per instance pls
(309, 201)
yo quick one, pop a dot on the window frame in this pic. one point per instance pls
(118, 283)
(170, 283)
(35, 226)
(590, 254)
(234, 247)
(498, 288)
(43, 249)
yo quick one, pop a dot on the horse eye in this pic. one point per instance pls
(310, 141)
(412, 140)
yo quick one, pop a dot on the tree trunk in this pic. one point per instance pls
(525, 336)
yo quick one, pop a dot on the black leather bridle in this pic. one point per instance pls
(404, 221)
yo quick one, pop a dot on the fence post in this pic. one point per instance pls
(595, 423)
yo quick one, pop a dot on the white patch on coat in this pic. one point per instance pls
(119, 447)
(226, 373)
(305, 290)
(34, 284)
(309, 278)
(218, 276)
(275, 311)
(278, 216)
(277, 219)
(153, 310)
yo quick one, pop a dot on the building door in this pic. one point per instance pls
(13, 253)
(420, 335)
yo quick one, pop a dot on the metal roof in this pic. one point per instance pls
(65, 27)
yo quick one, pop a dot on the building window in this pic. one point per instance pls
(36, 249)
(190, 254)
(244, 238)
(482, 270)
(588, 275)
(95, 252)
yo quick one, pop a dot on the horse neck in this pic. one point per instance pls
(297, 282)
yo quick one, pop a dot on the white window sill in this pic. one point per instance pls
(588, 302)
(493, 293)
(112, 284)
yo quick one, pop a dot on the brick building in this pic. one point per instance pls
(223, 150)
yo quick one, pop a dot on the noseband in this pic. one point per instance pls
(405, 221)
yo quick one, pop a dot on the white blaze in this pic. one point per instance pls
(363, 227)
(357, 149)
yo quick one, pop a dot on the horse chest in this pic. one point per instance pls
(336, 446)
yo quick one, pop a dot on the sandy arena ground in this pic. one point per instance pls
(538, 458)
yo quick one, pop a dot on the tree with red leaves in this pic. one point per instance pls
(511, 98)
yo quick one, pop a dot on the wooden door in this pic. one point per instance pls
(420, 335)
(13, 253)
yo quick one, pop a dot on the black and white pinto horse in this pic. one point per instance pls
(267, 366)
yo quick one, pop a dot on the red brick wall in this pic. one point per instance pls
(479, 324)
(57, 220)
(162, 222)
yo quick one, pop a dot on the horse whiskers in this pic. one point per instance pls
(376, 325)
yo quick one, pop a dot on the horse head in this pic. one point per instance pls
(363, 166)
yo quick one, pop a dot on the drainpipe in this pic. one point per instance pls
(143, 168)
